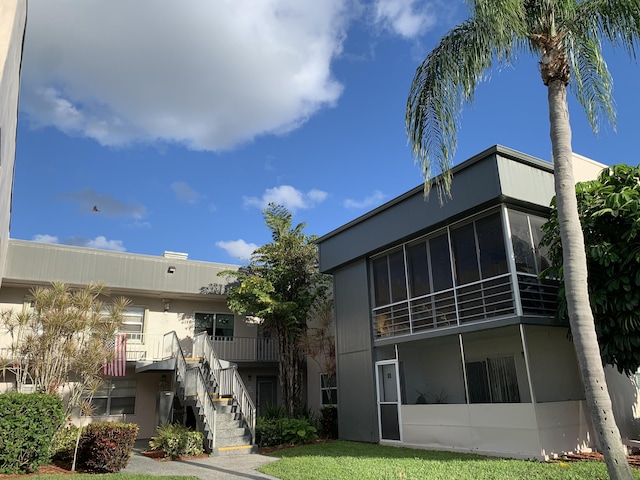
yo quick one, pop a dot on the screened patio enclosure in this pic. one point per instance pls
(513, 389)
(482, 268)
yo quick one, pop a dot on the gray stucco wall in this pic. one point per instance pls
(357, 416)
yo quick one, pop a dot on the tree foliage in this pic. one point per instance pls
(60, 339)
(279, 286)
(566, 37)
(609, 210)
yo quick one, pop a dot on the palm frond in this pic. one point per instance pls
(447, 79)
(591, 81)
(617, 21)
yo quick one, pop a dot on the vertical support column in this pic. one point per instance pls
(525, 351)
(464, 368)
(512, 261)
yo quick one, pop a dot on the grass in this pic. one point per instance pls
(341, 459)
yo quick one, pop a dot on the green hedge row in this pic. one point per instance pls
(27, 425)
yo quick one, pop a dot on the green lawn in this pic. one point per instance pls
(350, 460)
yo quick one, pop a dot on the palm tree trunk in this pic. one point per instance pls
(575, 281)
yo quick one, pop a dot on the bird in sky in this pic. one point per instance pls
(95, 208)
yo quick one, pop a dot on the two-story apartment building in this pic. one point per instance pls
(179, 332)
(188, 358)
(445, 336)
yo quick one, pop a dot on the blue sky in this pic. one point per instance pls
(181, 120)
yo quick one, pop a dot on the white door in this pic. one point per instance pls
(388, 387)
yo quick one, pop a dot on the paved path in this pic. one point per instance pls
(210, 468)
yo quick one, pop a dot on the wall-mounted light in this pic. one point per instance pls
(167, 304)
(171, 269)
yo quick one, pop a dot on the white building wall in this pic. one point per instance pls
(13, 16)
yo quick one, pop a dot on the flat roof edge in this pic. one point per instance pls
(493, 150)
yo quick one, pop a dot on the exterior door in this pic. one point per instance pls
(388, 388)
(267, 394)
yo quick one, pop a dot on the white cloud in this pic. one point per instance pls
(206, 74)
(45, 238)
(185, 193)
(238, 248)
(100, 242)
(289, 197)
(104, 244)
(374, 199)
(407, 18)
(105, 204)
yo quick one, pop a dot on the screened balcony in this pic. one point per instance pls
(480, 269)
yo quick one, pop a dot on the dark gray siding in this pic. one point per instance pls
(493, 176)
(357, 414)
(410, 214)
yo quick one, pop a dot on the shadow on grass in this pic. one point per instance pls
(343, 448)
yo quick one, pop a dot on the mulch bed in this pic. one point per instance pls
(161, 456)
(266, 450)
(634, 460)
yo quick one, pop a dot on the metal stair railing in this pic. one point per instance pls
(193, 385)
(229, 382)
(247, 407)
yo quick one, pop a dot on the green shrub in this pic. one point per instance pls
(268, 432)
(194, 446)
(329, 422)
(293, 431)
(105, 447)
(27, 425)
(272, 412)
(177, 440)
(297, 430)
(64, 443)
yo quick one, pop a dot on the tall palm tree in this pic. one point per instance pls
(566, 36)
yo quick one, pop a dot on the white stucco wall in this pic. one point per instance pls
(13, 15)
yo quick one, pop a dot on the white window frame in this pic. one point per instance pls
(328, 389)
(134, 317)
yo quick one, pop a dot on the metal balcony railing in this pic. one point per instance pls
(246, 349)
(148, 347)
(484, 300)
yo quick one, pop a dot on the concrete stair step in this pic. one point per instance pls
(235, 450)
(233, 441)
(231, 432)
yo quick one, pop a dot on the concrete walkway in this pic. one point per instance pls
(210, 468)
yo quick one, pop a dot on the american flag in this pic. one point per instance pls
(116, 367)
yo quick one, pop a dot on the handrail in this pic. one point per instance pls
(228, 380)
(200, 390)
(247, 407)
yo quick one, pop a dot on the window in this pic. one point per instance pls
(418, 269)
(115, 397)
(526, 233)
(440, 262)
(493, 380)
(133, 323)
(389, 280)
(463, 244)
(493, 257)
(219, 325)
(328, 389)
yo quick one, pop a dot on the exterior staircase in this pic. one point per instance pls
(214, 390)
